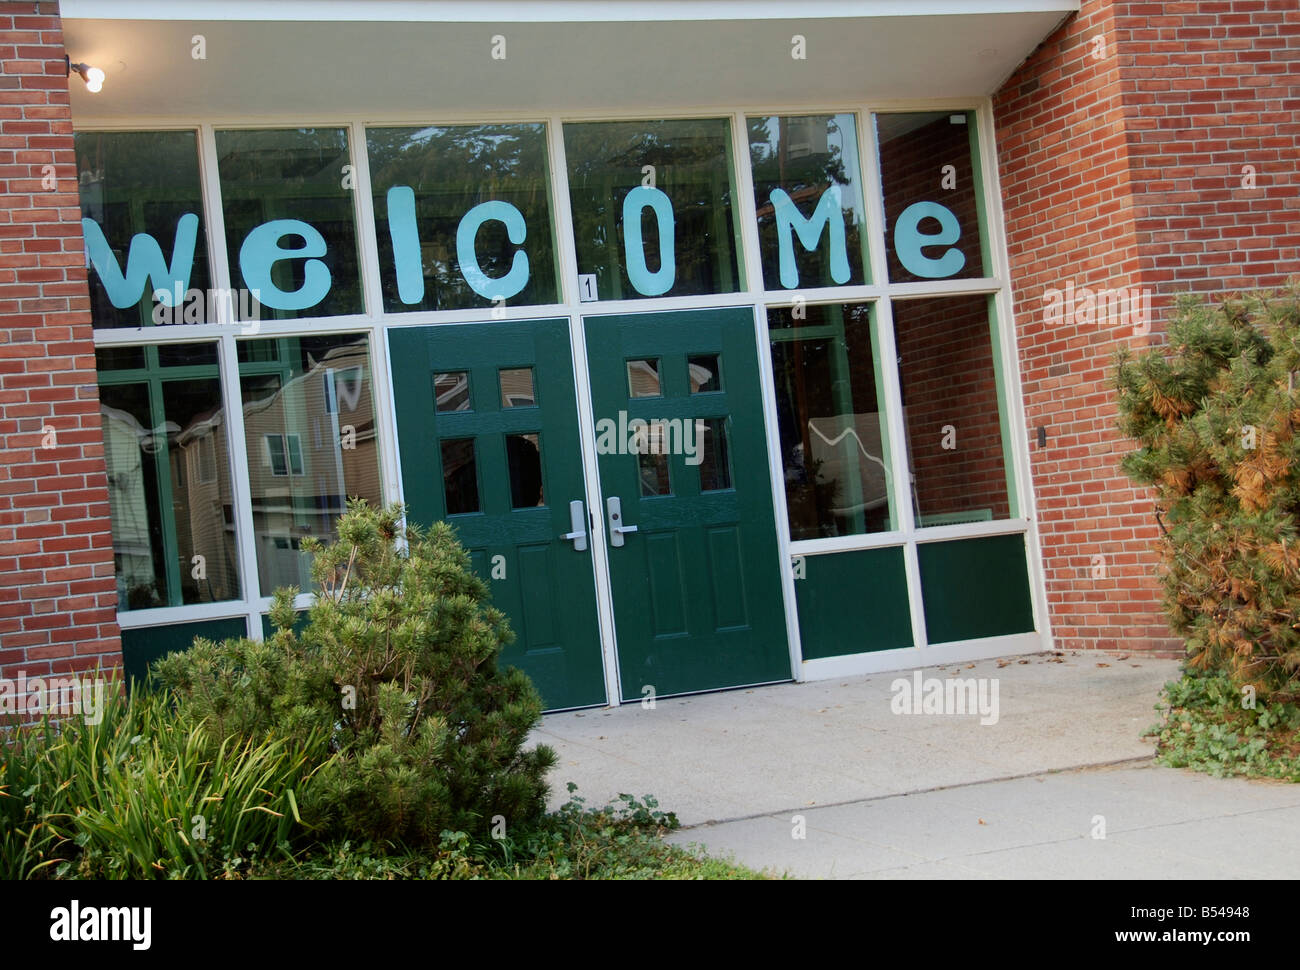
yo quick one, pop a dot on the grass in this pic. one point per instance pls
(1212, 725)
(620, 841)
(134, 796)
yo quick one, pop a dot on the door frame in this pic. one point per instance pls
(596, 497)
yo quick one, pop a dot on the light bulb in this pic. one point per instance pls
(94, 80)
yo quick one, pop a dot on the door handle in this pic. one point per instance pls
(577, 523)
(614, 506)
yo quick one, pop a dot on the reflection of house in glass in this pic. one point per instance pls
(173, 528)
(311, 444)
(129, 493)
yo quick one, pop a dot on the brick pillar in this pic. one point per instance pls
(1121, 142)
(57, 593)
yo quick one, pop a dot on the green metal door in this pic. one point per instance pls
(697, 586)
(487, 424)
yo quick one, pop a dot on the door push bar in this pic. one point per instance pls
(614, 506)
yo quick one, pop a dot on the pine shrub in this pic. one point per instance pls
(399, 658)
(1215, 415)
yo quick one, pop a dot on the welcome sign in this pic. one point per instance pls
(923, 251)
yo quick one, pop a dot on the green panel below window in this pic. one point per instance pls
(141, 647)
(853, 602)
(974, 588)
(299, 623)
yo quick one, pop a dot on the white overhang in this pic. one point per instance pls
(323, 59)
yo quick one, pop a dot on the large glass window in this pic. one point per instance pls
(952, 405)
(168, 476)
(831, 417)
(808, 197)
(290, 225)
(929, 176)
(463, 216)
(652, 208)
(309, 426)
(141, 192)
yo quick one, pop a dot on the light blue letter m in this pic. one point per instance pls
(828, 214)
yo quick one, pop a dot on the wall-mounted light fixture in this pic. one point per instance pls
(93, 76)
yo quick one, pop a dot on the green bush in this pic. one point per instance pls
(136, 796)
(1215, 415)
(399, 662)
(1212, 724)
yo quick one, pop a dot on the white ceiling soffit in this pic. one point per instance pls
(394, 58)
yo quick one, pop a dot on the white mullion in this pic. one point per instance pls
(752, 258)
(190, 613)
(900, 450)
(218, 264)
(1012, 391)
(241, 489)
(363, 210)
(381, 374)
(566, 250)
(942, 288)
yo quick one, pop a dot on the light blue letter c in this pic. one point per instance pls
(503, 287)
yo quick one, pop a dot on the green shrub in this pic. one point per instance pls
(1215, 415)
(1212, 724)
(134, 795)
(399, 658)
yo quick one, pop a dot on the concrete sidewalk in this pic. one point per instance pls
(892, 795)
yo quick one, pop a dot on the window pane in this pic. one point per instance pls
(169, 491)
(933, 205)
(831, 417)
(462, 216)
(309, 424)
(652, 207)
(459, 475)
(711, 440)
(451, 391)
(952, 409)
(187, 355)
(517, 387)
(705, 373)
(142, 182)
(653, 470)
(118, 358)
(524, 457)
(290, 232)
(805, 238)
(643, 378)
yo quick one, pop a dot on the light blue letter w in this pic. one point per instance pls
(144, 260)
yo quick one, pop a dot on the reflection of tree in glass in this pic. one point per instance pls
(451, 170)
(805, 156)
(692, 166)
(139, 182)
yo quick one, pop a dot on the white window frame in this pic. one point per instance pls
(375, 324)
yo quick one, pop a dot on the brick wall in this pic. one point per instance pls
(57, 599)
(1120, 164)
(946, 371)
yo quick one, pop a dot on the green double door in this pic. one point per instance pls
(666, 530)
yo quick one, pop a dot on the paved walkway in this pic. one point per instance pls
(879, 794)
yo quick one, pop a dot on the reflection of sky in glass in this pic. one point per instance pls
(841, 133)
